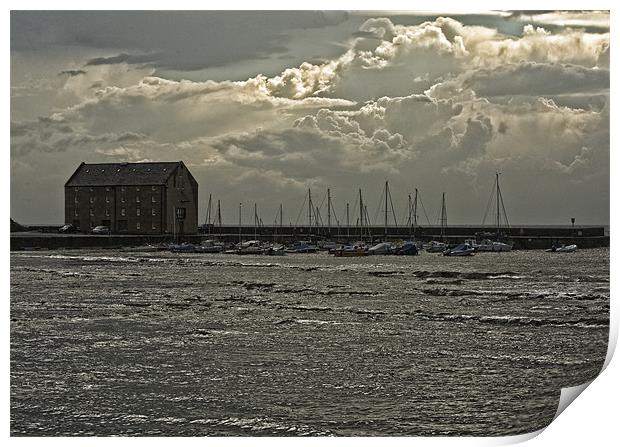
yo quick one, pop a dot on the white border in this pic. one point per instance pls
(591, 420)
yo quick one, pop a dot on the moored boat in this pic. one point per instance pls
(408, 248)
(460, 250)
(209, 246)
(351, 251)
(435, 247)
(563, 249)
(302, 247)
(382, 248)
(182, 248)
(275, 250)
(494, 246)
(253, 247)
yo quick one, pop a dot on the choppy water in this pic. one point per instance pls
(120, 343)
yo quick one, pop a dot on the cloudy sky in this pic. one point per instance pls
(262, 106)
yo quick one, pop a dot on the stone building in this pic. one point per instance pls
(133, 198)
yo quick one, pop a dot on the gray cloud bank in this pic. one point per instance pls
(438, 105)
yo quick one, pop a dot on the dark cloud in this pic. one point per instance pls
(123, 58)
(49, 136)
(72, 72)
(537, 79)
(198, 40)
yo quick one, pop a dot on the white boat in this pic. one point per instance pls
(435, 247)
(461, 250)
(251, 248)
(275, 250)
(382, 248)
(209, 246)
(563, 249)
(493, 246)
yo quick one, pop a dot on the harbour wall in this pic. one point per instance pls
(522, 237)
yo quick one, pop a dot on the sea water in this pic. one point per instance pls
(119, 343)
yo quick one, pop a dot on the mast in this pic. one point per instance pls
(415, 211)
(409, 222)
(348, 225)
(497, 204)
(329, 213)
(208, 217)
(361, 216)
(219, 217)
(386, 211)
(310, 208)
(444, 217)
(255, 220)
(368, 223)
(239, 222)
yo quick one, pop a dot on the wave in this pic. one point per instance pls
(504, 295)
(466, 275)
(259, 424)
(386, 274)
(511, 320)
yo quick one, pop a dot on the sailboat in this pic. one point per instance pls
(436, 246)
(496, 245)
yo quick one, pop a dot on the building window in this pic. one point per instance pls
(76, 189)
(153, 188)
(137, 199)
(107, 212)
(107, 199)
(107, 188)
(76, 200)
(122, 199)
(92, 224)
(91, 212)
(137, 225)
(137, 211)
(76, 213)
(122, 189)
(153, 212)
(153, 227)
(137, 189)
(91, 190)
(91, 199)
(153, 199)
(122, 211)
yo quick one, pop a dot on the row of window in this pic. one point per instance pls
(107, 199)
(108, 188)
(123, 212)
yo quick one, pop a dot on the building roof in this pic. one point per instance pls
(112, 174)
